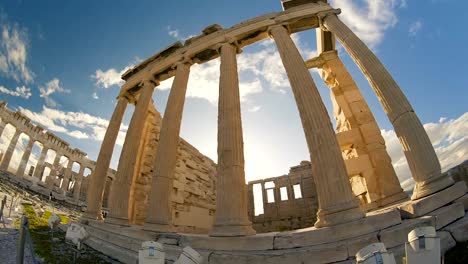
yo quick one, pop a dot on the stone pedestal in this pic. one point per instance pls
(422, 159)
(25, 158)
(98, 181)
(159, 216)
(9, 152)
(337, 203)
(231, 194)
(120, 190)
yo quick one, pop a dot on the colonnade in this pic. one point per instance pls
(337, 203)
(49, 141)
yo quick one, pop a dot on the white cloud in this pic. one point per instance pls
(450, 141)
(415, 27)
(175, 33)
(254, 108)
(74, 124)
(50, 88)
(109, 77)
(261, 67)
(14, 53)
(95, 96)
(369, 19)
(19, 92)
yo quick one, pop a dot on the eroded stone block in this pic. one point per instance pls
(459, 229)
(432, 202)
(447, 214)
(398, 235)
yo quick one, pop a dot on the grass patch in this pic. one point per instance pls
(54, 250)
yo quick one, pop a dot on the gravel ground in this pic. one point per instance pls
(8, 245)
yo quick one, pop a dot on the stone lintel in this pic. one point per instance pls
(432, 202)
(447, 214)
(315, 236)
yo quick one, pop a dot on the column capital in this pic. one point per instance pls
(148, 81)
(228, 41)
(183, 61)
(322, 15)
(273, 27)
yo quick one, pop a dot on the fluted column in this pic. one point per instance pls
(77, 186)
(9, 152)
(231, 218)
(53, 172)
(120, 191)
(420, 154)
(98, 181)
(25, 158)
(159, 215)
(337, 203)
(40, 163)
(67, 176)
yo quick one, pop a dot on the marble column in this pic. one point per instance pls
(9, 152)
(337, 203)
(420, 154)
(67, 176)
(120, 191)
(53, 172)
(98, 182)
(78, 181)
(25, 158)
(159, 214)
(231, 218)
(40, 163)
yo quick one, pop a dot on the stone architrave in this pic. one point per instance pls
(9, 152)
(40, 163)
(98, 181)
(231, 217)
(355, 117)
(25, 158)
(78, 181)
(120, 190)
(337, 203)
(160, 216)
(422, 159)
(67, 176)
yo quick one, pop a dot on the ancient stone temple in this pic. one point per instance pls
(164, 189)
(62, 181)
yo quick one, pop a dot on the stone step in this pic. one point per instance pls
(459, 229)
(432, 202)
(447, 214)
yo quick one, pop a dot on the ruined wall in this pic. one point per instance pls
(292, 210)
(193, 194)
(459, 172)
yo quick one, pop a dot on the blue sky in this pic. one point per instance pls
(60, 63)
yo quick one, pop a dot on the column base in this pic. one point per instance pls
(159, 228)
(330, 219)
(232, 230)
(423, 189)
(121, 221)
